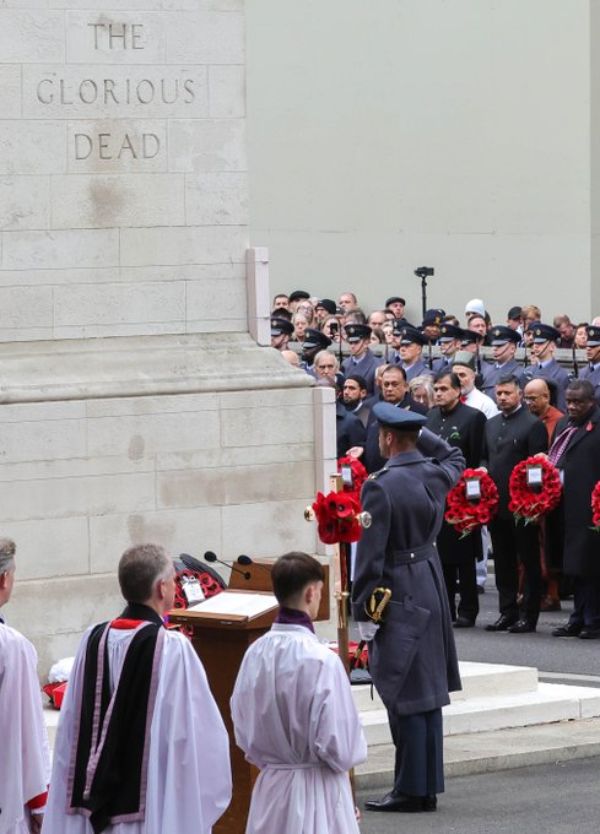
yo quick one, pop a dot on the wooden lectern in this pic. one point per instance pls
(223, 628)
(257, 577)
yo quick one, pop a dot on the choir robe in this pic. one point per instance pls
(189, 774)
(24, 753)
(295, 719)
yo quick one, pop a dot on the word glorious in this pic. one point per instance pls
(109, 91)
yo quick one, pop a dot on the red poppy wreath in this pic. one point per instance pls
(468, 508)
(596, 508)
(529, 502)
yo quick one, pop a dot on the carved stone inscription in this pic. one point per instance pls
(112, 93)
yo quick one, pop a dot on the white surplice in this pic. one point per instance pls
(295, 719)
(24, 755)
(189, 772)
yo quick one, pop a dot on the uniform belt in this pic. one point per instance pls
(417, 554)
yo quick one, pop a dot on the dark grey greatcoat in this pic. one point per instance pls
(413, 657)
(592, 374)
(569, 526)
(366, 367)
(494, 374)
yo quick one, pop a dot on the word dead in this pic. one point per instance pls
(106, 146)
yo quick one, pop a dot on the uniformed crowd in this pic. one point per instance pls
(498, 413)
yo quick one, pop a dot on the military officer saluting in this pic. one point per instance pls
(543, 348)
(412, 655)
(592, 371)
(412, 342)
(361, 360)
(504, 342)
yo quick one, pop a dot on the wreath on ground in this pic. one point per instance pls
(465, 513)
(530, 504)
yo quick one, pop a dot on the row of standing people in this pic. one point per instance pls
(521, 419)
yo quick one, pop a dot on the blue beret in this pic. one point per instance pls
(393, 417)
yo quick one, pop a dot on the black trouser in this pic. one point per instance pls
(514, 543)
(465, 573)
(419, 741)
(586, 599)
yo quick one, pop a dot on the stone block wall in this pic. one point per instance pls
(123, 194)
(80, 480)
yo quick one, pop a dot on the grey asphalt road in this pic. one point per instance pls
(561, 799)
(569, 656)
(566, 659)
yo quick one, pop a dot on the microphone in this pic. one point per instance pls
(209, 556)
(248, 560)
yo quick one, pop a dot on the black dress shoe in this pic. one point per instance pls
(402, 804)
(589, 633)
(522, 627)
(503, 623)
(568, 630)
(464, 622)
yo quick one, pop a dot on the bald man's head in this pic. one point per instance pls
(537, 396)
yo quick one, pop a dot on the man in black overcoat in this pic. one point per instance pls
(576, 452)
(412, 656)
(510, 437)
(394, 389)
(463, 427)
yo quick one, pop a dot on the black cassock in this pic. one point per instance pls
(463, 428)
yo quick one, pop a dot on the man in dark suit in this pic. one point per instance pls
(463, 427)
(412, 655)
(576, 452)
(354, 397)
(510, 437)
(394, 389)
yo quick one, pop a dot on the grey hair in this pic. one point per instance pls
(139, 568)
(7, 555)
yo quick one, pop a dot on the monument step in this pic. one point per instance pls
(548, 704)
(488, 752)
(478, 679)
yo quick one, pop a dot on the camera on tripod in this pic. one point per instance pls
(424, 272)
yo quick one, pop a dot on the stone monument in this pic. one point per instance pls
(137, 400)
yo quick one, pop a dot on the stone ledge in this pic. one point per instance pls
(140, 366)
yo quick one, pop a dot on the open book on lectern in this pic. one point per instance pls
(237, 604)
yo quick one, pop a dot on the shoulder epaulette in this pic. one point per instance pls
(374, 475)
